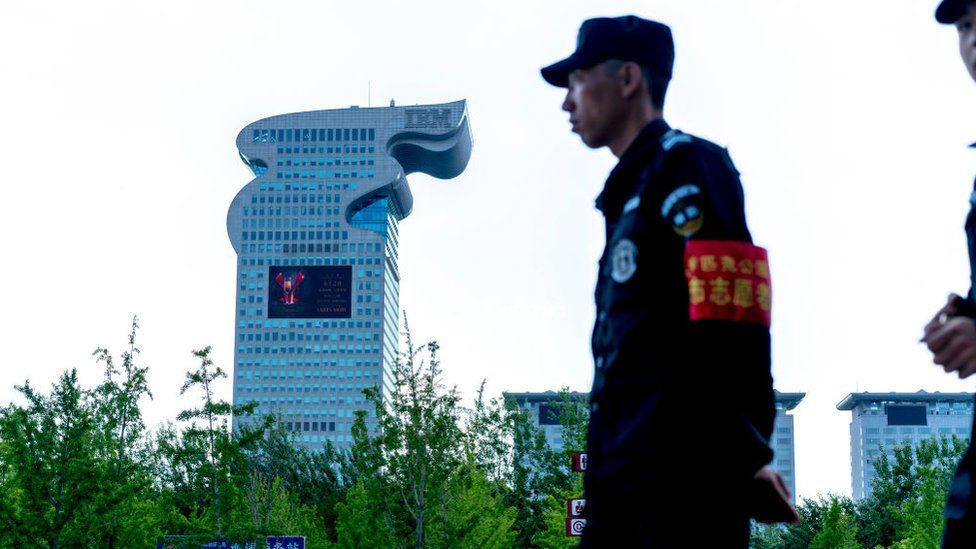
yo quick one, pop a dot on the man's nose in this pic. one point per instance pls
(568, 104)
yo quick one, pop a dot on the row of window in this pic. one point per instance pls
(320, 364)
(270, 186)
(360, 324)
(301, 388)
(294, 235)
(919, 430)
(289, 198)
(310, 349)
(343, 149)
(319, 372)
(272, 135)
(323, 174)
(300, 261)
(295, 400)
(289, 222)
(314, 337)
(312, 413)
(277, 211)
(324, 161)
(264, 399)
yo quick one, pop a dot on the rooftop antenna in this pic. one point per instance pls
(369, 92)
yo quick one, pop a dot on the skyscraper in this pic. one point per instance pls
(782, 442)
(316, 234)
(882, 421)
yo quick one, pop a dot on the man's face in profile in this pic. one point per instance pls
(594, 105)
(966, 25)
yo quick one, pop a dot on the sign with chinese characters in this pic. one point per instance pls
(427, 118)
(286, 542)
(575, 507)
(728, 280)
(578, 461)
(310, 292)
(273, 542)
(574, 527)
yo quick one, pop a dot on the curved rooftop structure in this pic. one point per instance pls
(317, 236)
(853, 399)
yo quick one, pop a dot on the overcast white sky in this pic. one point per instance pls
(848, 121)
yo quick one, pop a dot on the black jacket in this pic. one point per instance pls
(961, 506)
(668, 388)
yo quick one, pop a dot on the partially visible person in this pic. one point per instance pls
(951, 334)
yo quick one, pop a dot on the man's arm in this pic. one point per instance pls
(729, 301)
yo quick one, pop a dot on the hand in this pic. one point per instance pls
(952, 341)
(772, 483)
(948, 310)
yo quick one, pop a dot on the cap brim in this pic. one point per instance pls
(557, 74)
(950, 11)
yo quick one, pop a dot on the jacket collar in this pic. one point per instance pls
(625, 175)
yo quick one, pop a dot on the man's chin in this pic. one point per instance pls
(591, 141)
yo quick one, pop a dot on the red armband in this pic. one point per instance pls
(728, 280)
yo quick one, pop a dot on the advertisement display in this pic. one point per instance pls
(310, 291)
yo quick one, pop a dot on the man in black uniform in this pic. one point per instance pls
(682, 403)
(951, 334)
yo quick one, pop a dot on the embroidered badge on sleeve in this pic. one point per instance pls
(682, 208)
(728, 280)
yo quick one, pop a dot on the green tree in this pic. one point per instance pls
(422, 476)
(418, 438)
(813, 514)
(766, 536)
(909, 492)
(204, 457)
(837, 530)
(363, 520)
(48, 460)
(541, 477)
(122, 511)
(312, 478)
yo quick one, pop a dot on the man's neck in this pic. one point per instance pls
(632, 126)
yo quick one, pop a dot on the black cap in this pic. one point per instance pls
(950, 11)
(628, 38)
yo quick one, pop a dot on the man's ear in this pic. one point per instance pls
(631, 79)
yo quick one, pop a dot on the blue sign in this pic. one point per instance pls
(286, 542)
(273, 542)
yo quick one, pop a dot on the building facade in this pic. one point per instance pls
(882, 421)
(782, 441)
(316, 234)
(544, 412)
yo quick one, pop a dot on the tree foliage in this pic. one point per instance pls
(904, 510)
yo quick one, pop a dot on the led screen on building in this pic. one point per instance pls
(548, 415)
(902, 414)
(310, 292)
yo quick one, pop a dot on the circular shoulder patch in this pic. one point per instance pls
(623, 261)
(682, 208)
